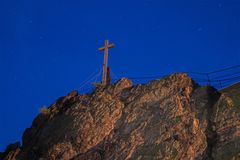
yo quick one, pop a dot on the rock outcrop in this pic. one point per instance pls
(11, 152)
(169, 118)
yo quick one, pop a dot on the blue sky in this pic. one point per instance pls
(48, 48)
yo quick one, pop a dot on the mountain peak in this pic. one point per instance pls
(168, 118)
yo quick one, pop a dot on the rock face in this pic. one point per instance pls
(169, 118)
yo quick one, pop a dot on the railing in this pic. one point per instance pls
(218, 79)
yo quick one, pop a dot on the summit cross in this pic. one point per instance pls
(106, 70)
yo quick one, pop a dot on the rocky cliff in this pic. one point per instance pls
(169, 118)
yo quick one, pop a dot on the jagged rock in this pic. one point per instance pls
(11, 152)
(169, 118)
(226, 120)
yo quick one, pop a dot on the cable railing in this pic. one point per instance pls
(219, 78)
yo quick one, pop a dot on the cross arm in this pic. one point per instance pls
(108, 46)
(111, 45)
(101, 49)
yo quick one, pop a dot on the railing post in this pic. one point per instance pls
(220, 83)
(208, 78)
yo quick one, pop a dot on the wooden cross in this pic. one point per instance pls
(106, 71)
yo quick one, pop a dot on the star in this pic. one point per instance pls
(220, 5)
(200, 29)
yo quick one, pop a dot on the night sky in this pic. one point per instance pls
(49, 47)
